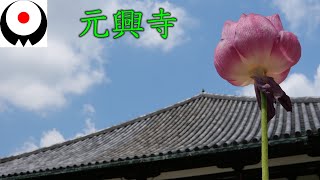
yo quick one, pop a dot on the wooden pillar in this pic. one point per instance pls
(292, 178)
(239, 171)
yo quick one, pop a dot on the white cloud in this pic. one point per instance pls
(89, 128)
(48, 138)
(51, 137)
(41, 79)
(88, 109)
(150, 38)
(27, 147)
(296, 85)
(246, 91)
(300, 13)
(4, 107)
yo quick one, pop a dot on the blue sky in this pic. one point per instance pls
(80, 85)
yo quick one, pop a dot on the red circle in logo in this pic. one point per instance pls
(23, 17)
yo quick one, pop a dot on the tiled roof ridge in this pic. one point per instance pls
(306, 99)
(130, 122)
(68, 142)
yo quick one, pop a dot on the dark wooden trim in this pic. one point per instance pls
(287, 171)
(313, 146)
(144, 168)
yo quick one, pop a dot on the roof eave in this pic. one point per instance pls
(162, 157)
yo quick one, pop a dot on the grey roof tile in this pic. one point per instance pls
(204, 121)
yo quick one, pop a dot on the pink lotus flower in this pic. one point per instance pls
(256, 50)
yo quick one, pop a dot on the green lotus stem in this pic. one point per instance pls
(264, 138)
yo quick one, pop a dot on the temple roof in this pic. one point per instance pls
(204, 122)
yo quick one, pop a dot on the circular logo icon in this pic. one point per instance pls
(23, 20)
